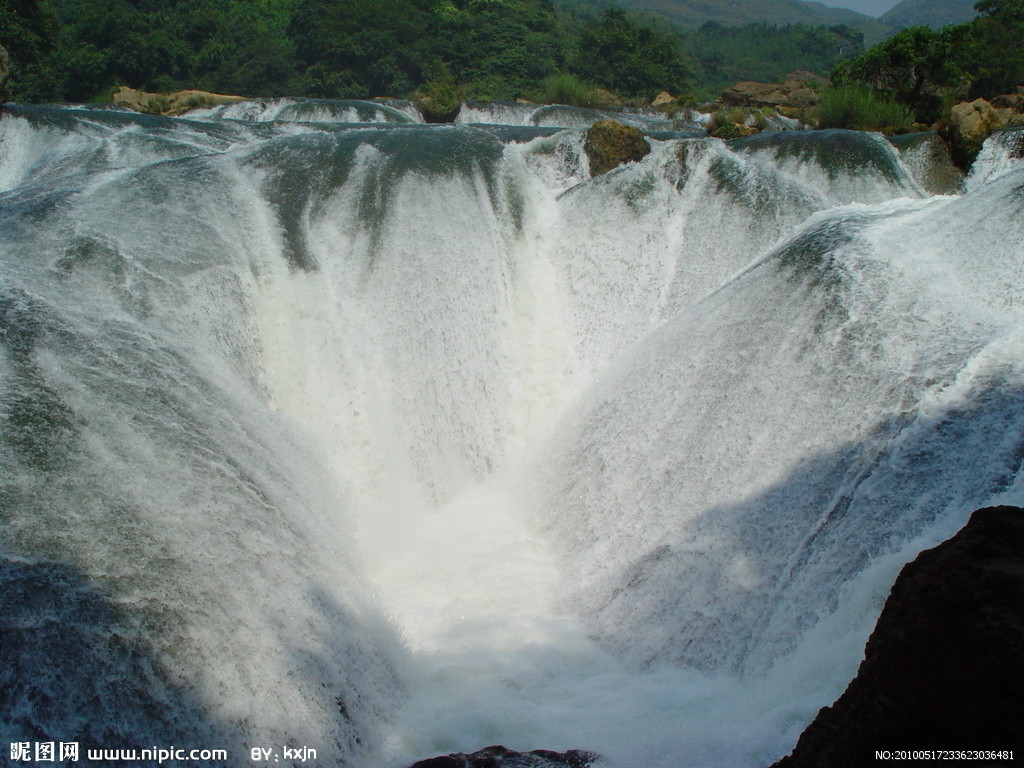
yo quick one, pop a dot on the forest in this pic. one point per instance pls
(80, 50)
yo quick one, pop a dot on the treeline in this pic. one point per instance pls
(765, 53)
(925, 71)
(79, 50)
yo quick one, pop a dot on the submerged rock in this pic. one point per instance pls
(927, 157)
(502, 757)
(944, 667)
(609, 144)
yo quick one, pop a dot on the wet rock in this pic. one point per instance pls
(176, 103)
(437, 109)
(609, 144)
(501, 757)
(927, 157)
(944, 667)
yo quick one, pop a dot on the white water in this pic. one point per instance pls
(488, 451)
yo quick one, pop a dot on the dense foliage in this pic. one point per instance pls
(926, 69)
(28, 30)
(80, 50)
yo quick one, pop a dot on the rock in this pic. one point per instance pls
(609, 144)
(729, 130)
(177, 103)
(501, 757)
(1014, 101)
(927, 157)
(797, 91)
(663, 100)
(944, 667)
(599, 98)
(435, 110)
(970, 123)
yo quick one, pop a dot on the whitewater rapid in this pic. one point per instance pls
(326, 427)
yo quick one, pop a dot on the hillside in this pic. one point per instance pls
(693, 13)
(929, 13)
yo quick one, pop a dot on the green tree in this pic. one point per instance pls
(358, 48)
(497, 48)
(28, 31)
(991, 48)
(916, 67)
(630, 56)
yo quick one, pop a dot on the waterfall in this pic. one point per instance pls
(324, 427)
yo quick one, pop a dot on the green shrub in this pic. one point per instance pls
(440, 98)
(861, 109)
(564, 88)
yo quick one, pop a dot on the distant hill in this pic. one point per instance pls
(929, 13)
(693, 13)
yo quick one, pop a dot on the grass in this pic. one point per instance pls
(563, 88)
(861, 109)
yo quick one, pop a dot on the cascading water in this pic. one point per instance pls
(390, 439)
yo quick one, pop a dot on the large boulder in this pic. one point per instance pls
(609, 144)
(1014, 101)
(502, 757)
(970, 123)
(664, 101)
(944, 667)
(798, 90)
(437, 109)
(176, 103)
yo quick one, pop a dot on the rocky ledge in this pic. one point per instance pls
(799, 89)
(177, 103)
(944, 667)
(501, 757)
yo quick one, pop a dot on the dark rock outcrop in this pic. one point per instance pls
(944, 667)
(609, 144)
(1014, 101)
(501, 757)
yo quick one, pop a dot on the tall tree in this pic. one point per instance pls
(28, 32)
(630, 56)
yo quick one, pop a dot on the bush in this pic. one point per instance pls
(564, 88)
(440, 98)
(861, 109)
